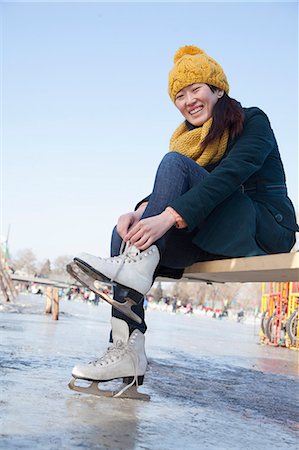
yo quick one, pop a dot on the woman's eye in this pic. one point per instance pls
(179, 97)
(196, 89)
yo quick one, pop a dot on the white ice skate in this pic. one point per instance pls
(133, 270)
(100, 288)
(125, 359)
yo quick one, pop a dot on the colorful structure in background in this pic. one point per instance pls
(280, 311)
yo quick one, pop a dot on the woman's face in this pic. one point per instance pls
(196, 102)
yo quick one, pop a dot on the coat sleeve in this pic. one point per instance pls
(246, 157)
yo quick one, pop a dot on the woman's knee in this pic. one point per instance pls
(173, 161)
(173, 158)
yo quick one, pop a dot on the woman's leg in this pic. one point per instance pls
(133, 273)
(176, 249)
(176, 174)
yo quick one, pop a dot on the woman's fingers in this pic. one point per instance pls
(144, 240)
(146, 245)
(135, 234)
(122, 228)
(147, 231)
(125, 222)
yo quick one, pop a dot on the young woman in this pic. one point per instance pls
(220, 192)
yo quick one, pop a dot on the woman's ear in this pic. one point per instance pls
(220, 93)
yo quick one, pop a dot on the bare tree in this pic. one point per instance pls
(45, 269)
(25, 261)
(59, 268)
(157, 291)
(218, 295)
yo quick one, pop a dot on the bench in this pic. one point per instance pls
(279, 267)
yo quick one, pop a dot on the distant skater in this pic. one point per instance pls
(219, 192)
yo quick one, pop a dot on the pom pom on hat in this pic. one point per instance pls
(186, 50)
(194, 65)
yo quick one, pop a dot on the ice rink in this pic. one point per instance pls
(212, 385)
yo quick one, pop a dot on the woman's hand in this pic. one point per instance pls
(146, 231)
(126, 221)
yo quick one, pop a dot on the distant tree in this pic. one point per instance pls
(181, 290)
(249, 296)
(59, 268)
(157, 291)
(45, 269)
(25, 261)
(196, 292)
(217, 295)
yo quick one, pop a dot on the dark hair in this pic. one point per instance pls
(227, 113)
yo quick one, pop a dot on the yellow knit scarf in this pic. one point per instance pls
(188, 142)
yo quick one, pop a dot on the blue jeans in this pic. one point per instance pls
(176, 174)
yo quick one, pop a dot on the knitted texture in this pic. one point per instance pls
(188, 142)
(193, 65)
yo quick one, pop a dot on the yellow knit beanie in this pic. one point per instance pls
(193, 65)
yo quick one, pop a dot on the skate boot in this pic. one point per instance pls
(125, 359)
(133, 270)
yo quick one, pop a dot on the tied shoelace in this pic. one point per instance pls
(134, 358)
(114, 352)
(126, 255)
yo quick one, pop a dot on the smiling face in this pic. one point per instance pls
(196, 102)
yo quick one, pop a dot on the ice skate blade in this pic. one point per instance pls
(93, 388)
(94, 285)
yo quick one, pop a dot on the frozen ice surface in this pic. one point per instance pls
(212, 385)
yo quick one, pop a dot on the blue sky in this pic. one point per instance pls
(85, 114)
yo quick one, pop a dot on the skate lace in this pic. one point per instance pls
(114, 352)
(134, 358)
(126, 256)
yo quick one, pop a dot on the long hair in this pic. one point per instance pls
(227, 113)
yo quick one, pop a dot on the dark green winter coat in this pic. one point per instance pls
(242, 207)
